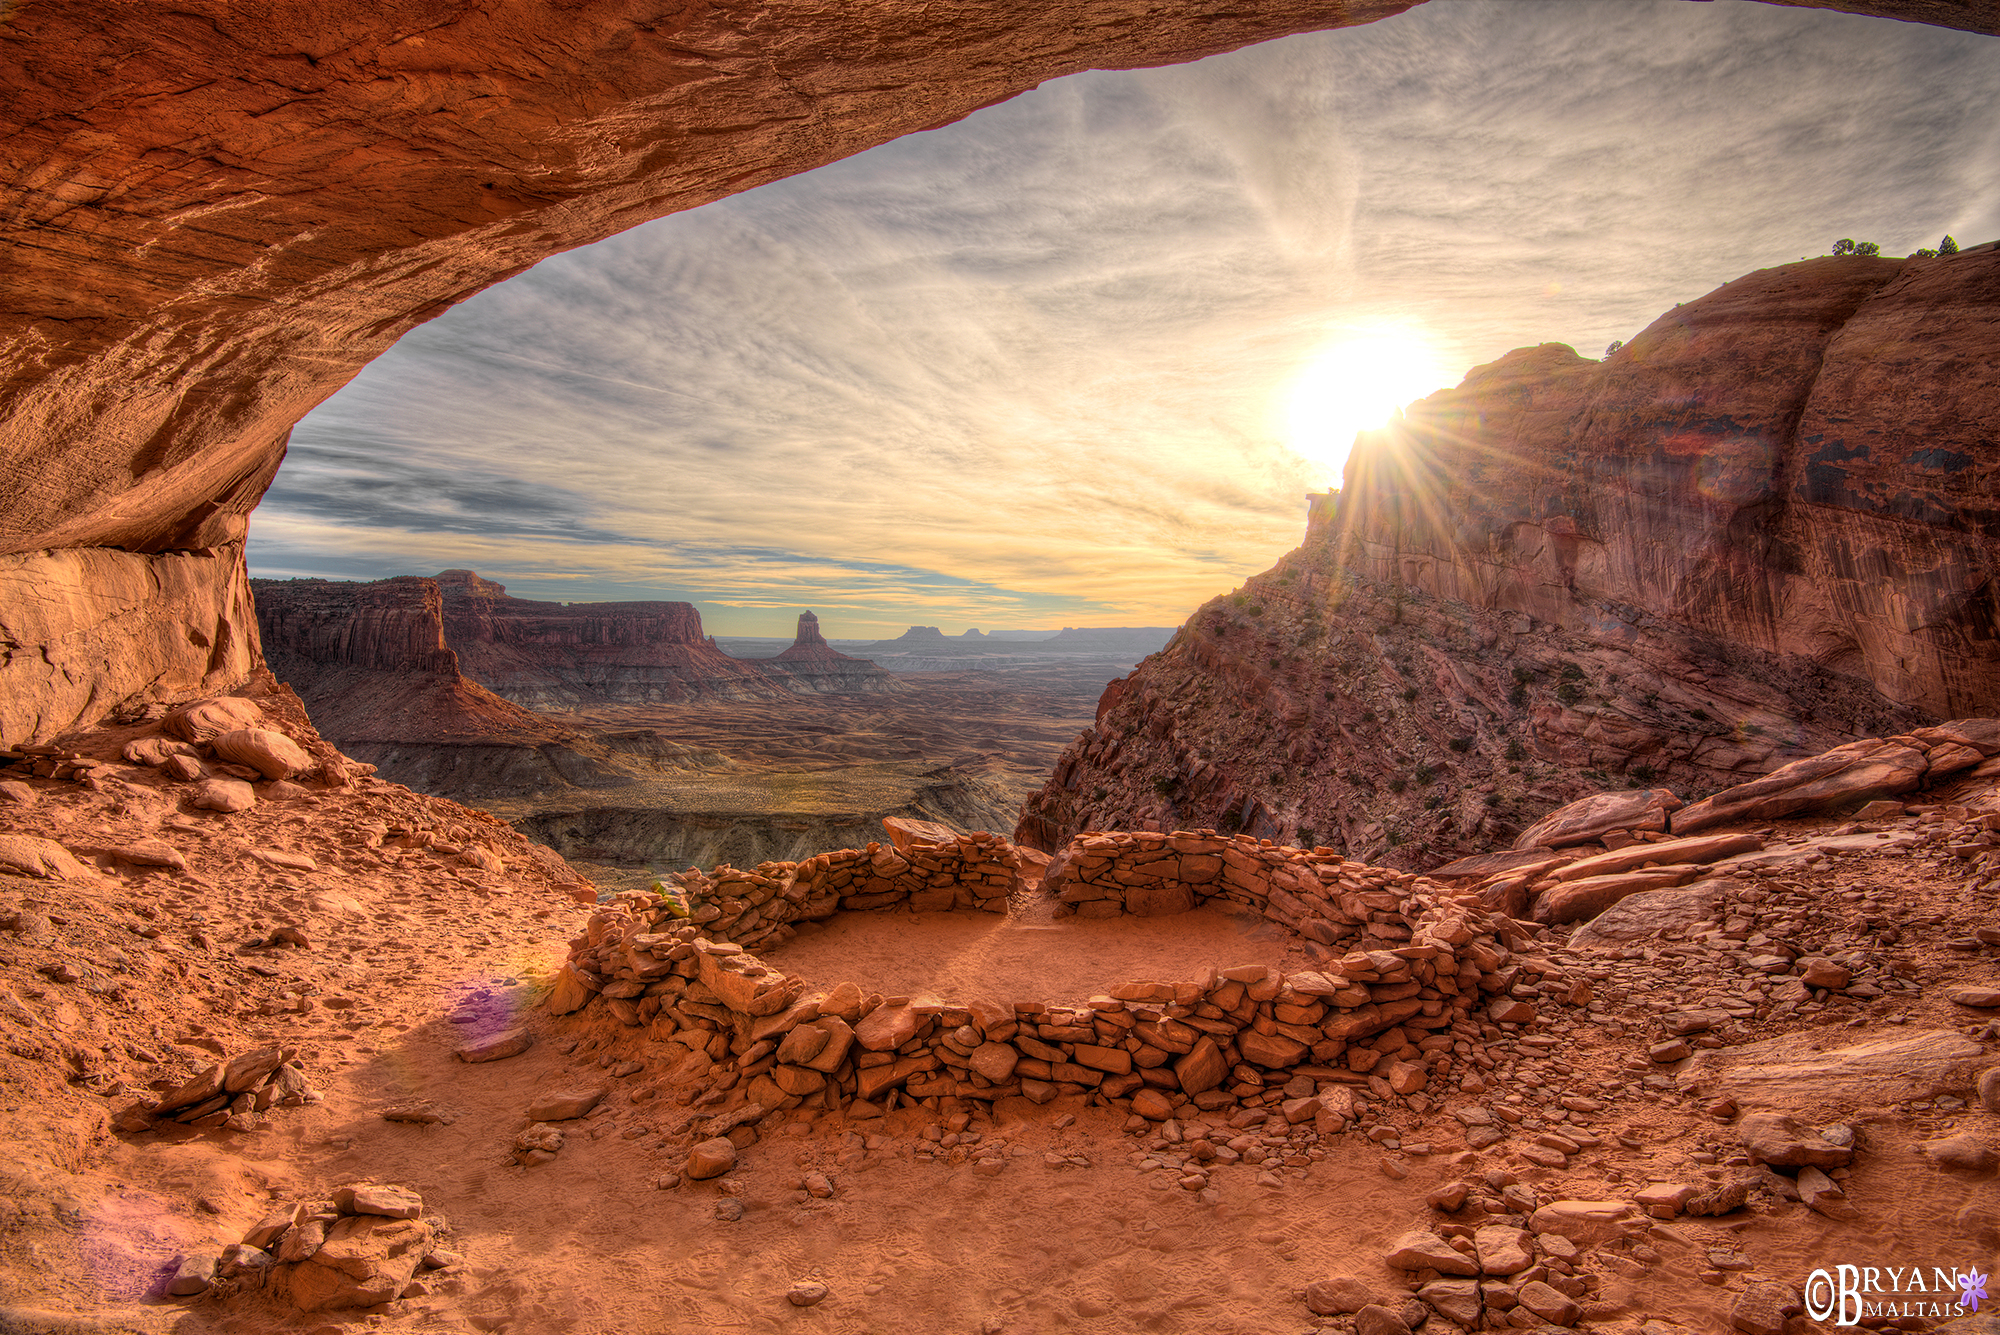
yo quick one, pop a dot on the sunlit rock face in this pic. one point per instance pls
(372, 665)
(558, 655)
(1768, 525)
(1802, 461)
(222, 212)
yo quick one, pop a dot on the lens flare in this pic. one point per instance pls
(1357, 383)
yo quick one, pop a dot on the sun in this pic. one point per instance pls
(1356, 383)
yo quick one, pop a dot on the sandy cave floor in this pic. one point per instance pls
(1070, 1236)
(1028, 956)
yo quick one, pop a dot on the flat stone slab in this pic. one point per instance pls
(1786, 1074)
(497, 1047)
(1652, 913)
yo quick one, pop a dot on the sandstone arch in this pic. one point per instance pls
(217, 215)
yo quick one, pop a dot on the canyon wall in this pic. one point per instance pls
(559, 655)
(219, 214)
(1767, 526)
(371, 663)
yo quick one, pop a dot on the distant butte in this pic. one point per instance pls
(811, 664)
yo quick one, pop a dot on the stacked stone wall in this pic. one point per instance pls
(755, 907)
(1314, 892)
(1390, 1020)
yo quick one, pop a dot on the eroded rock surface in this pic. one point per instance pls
(1655, 567)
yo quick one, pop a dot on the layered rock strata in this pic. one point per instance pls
(371, 663)
(559, 655)
(1765, 527)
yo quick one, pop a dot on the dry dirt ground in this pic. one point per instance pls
(127, 979)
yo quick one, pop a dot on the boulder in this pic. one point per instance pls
(1645, 916)
(1964, 1152)
(1764, 1308)
(248, 1070)
(1672, 852)
(1338, 1295)
(1786, 1142)
(27, 855)
(1502, 1250)
(1580, 901)
(569, 993)
(1424, 1250)
(711, 1158)
(225, 795)
(1204, 1067)
(1782, 1074)
(365, 1261)
(150, 853)
(265, 750)
(497, 1047)
(1583, 820)
(565, 1105)
(1456, 1300)
(204, 720)
(381, 1201)
(1847, 774)
(1588, 1223)
(887, 1028)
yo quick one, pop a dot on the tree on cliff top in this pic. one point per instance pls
(1849, 246)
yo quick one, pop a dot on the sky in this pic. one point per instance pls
(1065, 362)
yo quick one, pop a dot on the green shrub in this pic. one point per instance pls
(1570, 671)
(1163, 785)
(1460, 744)
(1397, 785)
(1515, 751)
(1425, 776)
(1947, 246)
(1569, 693)
(1409, 694)
(1518, 697)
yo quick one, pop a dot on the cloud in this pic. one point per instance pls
(1031, 368)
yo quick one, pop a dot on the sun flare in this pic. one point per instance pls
(1354, 384)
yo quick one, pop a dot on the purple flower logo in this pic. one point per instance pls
(1974, 1284)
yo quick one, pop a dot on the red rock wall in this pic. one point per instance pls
(1801, 461)
(392, 625)
(554, 655)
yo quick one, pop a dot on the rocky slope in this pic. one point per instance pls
(810, 664)
(1764, 527)
(388, 1006)
(371, 663)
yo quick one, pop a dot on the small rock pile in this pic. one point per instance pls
(221, 745)
(362, 1247)
(233, 1095)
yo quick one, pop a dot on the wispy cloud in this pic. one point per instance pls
(1031, 368)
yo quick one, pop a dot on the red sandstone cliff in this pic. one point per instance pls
(371, 664)
(556, 655)
(1768, 525)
